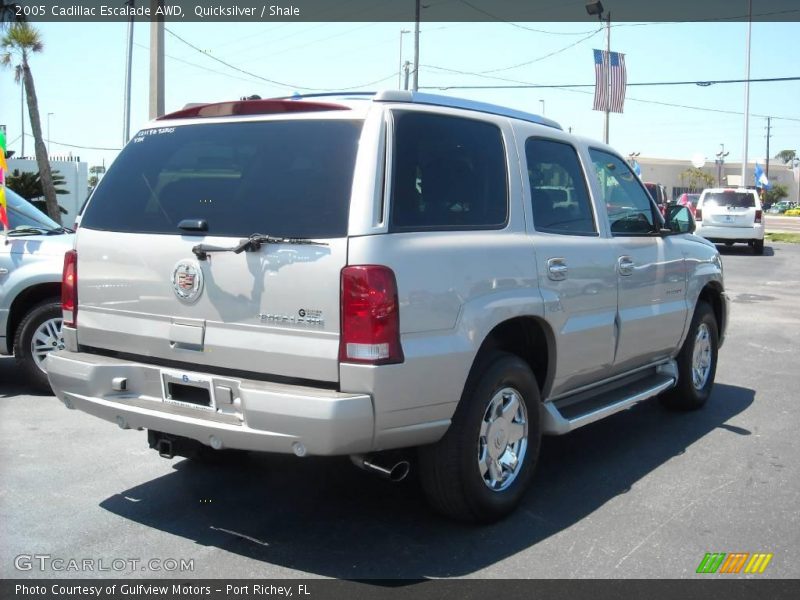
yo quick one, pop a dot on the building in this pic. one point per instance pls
(672, 174)
(76, 181)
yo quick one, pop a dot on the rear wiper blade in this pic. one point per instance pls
(28, 231)
(251, 244)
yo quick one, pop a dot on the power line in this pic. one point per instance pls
(559, 51)
(273, 81)
(77, 146)
(701, 83)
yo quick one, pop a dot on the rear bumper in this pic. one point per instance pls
(731, 234)
(260, 416)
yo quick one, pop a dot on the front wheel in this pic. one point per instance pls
(38, 335)
(697, 362)
(480, 469)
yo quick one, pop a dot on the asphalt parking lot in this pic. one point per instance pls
(643, 494)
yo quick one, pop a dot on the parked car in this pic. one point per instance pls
(689, 201)
(31, 263)
(363, 278)
(780, 207)
(731, 216)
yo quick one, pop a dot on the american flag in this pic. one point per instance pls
(603, 100)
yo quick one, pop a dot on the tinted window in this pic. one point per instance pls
(733, 199)
(559, 196)
(448, 173)
(629, 206)
(287, 178)
(22, 213)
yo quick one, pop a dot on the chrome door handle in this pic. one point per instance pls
(557, 269)
(625, 264)
(3, 271)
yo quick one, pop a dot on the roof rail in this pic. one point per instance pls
(449, 101)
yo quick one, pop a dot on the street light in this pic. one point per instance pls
(48, 132)
(400, 72)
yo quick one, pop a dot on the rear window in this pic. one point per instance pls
(285, 178)
(732, 199)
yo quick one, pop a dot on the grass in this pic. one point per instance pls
(791, 238)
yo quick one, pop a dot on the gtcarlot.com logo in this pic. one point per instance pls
(733, 563)
(48, 562)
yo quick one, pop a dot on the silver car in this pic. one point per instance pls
(31, 264)
(334, 276)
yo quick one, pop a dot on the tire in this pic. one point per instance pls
(460, 474)
(44, 322)
(758, 247)
(691, 393)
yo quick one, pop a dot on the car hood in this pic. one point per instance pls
(40, 245)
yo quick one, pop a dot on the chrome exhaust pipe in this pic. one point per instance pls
(391, 470)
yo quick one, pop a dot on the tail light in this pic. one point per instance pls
(370, 316)
(69, 289)
(698, 214)
(758, 216)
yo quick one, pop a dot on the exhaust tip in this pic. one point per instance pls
(400, 471)
(392, 470)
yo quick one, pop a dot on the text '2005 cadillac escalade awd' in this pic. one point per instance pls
(357, 275)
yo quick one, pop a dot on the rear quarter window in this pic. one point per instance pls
(285, 178)
(448, 173)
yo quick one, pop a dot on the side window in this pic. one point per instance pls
(448, 173)
(559, 197)
(630, 208)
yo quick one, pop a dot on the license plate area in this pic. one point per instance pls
(184, 389)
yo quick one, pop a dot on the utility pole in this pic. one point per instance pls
(156, 61)
(769, 120)
(126, 115)
(747, 92)
(608, 77)
(22, 113)
(416, 46)
(406, 70)
(720, 162)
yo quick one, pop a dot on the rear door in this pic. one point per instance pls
(729, 208)
(575, 264)
(142, 290)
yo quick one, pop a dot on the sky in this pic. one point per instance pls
(80, 76)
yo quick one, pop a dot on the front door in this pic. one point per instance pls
(651, 269)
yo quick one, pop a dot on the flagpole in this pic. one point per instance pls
(747, 92)
(608, 77)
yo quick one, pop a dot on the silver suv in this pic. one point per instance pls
(31, 260)
(356, 276)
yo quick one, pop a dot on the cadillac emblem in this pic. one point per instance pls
(187, 281)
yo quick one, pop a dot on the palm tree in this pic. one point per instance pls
(786, 156)
(8, 13)
(20, 40)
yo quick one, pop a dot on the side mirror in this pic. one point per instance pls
(679, 219)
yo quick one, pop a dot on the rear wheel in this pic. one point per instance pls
(758, 247)
(697, 362)
(480, 469)
(38, 335)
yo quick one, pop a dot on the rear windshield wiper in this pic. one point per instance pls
(251, 244)
(28, 231)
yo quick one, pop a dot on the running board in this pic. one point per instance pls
(593, 405)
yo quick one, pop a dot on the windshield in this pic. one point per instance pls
(732, 199)
(285, 178)
(22, 214)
